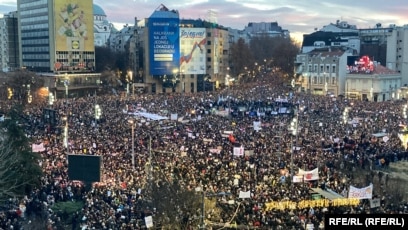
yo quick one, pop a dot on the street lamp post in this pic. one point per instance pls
(132, 123)
(66, 83)
(98, 113)
(50, 98)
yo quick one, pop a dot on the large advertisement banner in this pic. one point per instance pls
(74, 25)
(193, 51)
(164, 45)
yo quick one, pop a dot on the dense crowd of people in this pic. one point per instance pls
(196, 150)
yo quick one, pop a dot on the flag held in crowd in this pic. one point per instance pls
(309, 175)
(231, 138)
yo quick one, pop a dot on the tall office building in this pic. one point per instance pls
(9, 42)
(56, 36)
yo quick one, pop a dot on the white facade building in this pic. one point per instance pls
(322, 72)
(102, 27)
(397, 52)
(381, 84)
(340, 26)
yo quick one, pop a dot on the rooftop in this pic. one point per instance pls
(376, 69)
(97, 10)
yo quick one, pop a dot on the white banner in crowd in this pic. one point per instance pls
(249, 152)
(244, 195)
(374, 203)
(38, 148)
(149, 221)
(173, 117)
(361, 193)
(257, 125)
(297, 179)
(217, 151)
(309, 175)
(239, 151)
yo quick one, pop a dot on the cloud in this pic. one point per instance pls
(297, 16)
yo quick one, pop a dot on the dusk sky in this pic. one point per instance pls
(298, 16)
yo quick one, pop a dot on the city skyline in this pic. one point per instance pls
(299, 17)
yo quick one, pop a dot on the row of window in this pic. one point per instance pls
(35, 42)
(329, 68)
(43, 33)
(33, 3)
(36, 63)
(76, 55)
(35, 26)
(36, 56)
(34, 19)
(322, 80)
(34, 11)
(35, 49)
(99, 18)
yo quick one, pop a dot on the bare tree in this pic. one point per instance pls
(241, 58)
(279, 53)
(172, 205)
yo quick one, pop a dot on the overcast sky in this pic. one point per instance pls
(298, 16)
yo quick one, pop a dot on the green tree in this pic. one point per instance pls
(20, 172)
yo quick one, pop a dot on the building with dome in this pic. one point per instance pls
(102, 27)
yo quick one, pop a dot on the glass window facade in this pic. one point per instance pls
(35, 42)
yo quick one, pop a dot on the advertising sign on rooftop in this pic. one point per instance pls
(164, 46)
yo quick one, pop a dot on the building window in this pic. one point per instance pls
(208, 51)
(209, 34)
(333, 82)
(320, 80)
(309, 68)
(327, 69)
(209, 59)
(321, 69)
(314, 80)
(208, 42)
(334, 69)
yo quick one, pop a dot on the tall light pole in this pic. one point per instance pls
(66, 132)
(132, 123)
(294, 128)
(66, 83)
(130, 74)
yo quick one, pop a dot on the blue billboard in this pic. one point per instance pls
(164, 43)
